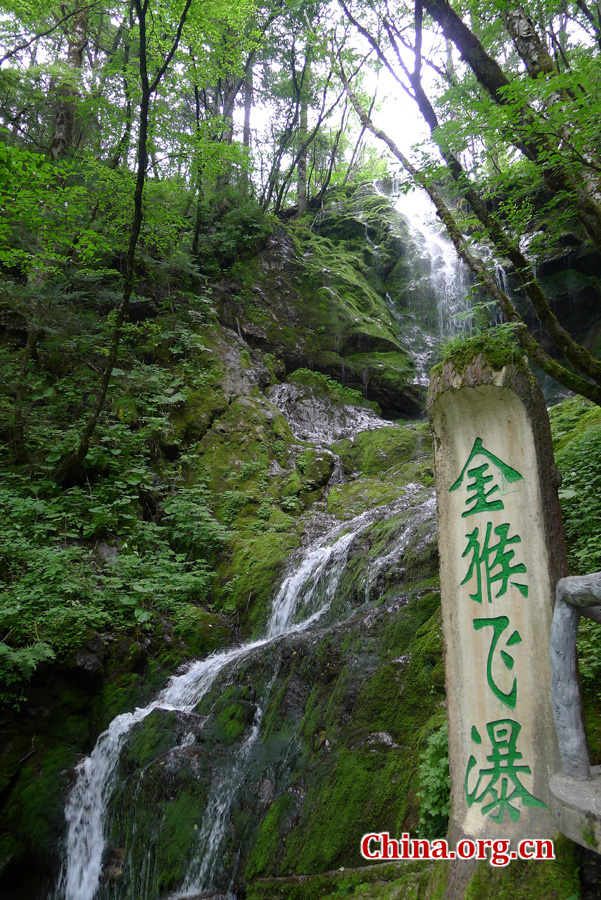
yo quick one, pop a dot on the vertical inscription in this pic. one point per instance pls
(493, 571)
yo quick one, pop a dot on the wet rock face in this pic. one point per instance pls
(572, 283)
(322, 301)
(310, 728)
(314, 418)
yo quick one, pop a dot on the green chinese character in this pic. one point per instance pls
(491, 563)
(499, 624)
(480, 480)
(499, 788)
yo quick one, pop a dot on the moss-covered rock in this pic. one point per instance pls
(247, 582)
(386, 881)
(323, 303)
(522, 880)
(378, 453)
(35, 809)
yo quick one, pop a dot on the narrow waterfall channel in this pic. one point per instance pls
(304, 598)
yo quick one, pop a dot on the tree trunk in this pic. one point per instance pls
(67, 91)
(531, 48)
(301, 181)
(246, 133)
(69, 468)
(525, 134)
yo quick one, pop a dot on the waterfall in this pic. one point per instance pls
(96, 776)
(219, 805)
(305, 595)
(448, 278)
(433, 300)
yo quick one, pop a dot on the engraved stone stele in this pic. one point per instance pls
(501, 554)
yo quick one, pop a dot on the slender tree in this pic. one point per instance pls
(71, 464)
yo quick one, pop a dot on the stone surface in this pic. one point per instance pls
(576, 808)
(576, 596)
(501, 552)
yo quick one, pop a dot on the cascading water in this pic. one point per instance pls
(222, 797)
(435, 302)
(444, 276)
(305, 596)
(87, 805)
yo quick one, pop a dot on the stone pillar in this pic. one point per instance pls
(501, 554)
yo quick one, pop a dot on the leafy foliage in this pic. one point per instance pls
(576, 430)
(126, 551)
(435, 785)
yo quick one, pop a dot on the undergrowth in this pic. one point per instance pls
(132, 545)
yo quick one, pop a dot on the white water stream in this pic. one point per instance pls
(448, 277)
(304, 596)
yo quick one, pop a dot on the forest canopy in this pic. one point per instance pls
(180, 124)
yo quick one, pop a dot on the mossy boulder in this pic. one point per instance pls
(321, 301)
(35, 810)
(247, 581)
(379, 452)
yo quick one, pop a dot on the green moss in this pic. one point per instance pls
(588, 834)
(179, 836)
(522, 880)
(421, 557)
(157, 825)
(316, 467)
(349, 500)
(294, 484)
(327, 309)
(394, 696)
(347, 781)
(328, 387)
(497, 345)
(200, 409)
(151, 739)
(570, 419)
(116, 697)
(392, 455)
(362, 787)
(394, 366)
(379, 452)
(248, 580)
(34, 811)
(386, 881)
(202, 631)
(273, 719)
(268, 843)
(232, 722)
